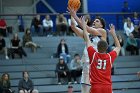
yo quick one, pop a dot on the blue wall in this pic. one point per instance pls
(60, 6)
(111, 5)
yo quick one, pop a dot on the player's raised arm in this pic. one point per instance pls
(77, 30)
(86, 37)
(117, 44)
(89, 29)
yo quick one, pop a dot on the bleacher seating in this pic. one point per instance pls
(41, 66)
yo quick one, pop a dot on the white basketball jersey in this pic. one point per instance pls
(85, 58)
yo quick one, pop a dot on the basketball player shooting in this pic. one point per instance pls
(101, 62)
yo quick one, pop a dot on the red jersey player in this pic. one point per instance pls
(101, 62)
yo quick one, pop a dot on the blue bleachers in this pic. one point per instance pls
(41, 67)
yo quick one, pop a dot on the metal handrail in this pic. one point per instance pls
(96, 13)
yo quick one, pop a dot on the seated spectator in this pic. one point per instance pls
(61, 24)
(16, 47)
(76, 67)
(3, 27)
(47, 25)
(122, 51)
(62, 70)
(128, 27)
(136, 34)
(27, 41)
(62, 50)
(3, 48)
(26, 85)
(88, 20)
(132, 45)
(36, 26)
(5, 84)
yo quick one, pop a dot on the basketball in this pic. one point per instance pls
(75, 4)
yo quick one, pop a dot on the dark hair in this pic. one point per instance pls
(102, 46)
(76, 55)
(24, 73)
(3, 75)
(3, 81)
(102, 21)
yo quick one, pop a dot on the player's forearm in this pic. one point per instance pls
(78, 20)
(86, 37)
(77, 30)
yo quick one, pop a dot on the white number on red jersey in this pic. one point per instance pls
(101, 64)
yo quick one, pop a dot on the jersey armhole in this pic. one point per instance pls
(93, 58)
(110, 59)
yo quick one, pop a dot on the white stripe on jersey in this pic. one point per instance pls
(110, 59)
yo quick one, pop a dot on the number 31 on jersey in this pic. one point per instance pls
(101, 64)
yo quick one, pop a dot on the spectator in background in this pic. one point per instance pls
(16, 47)
(138, 73)
(121, 40)
(76, 67)
(132, 45)
(125, 9)
(47, 25)
(3, 48)
(36, 26)
(62, 70)
(128, 27)
(20, 24)
(136, 20)
(3, 27)
(62, 50)
(26, 84)
(5, 84)
(27, 41)
(61, 24)
(136, 34)
(88, 20)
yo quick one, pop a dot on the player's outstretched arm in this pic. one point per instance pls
(86, 37)
(117, 43)
(78, 20)
(77, 30)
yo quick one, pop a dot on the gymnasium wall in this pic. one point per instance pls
(94, 6)
(112, 6)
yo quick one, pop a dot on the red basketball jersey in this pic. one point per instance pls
(100, 66)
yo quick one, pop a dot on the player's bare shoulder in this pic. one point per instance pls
(101, 30)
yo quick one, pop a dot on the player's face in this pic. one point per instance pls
(97, 23)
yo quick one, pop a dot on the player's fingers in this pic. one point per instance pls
(108, 30)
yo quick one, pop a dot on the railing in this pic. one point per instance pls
(110, 17)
